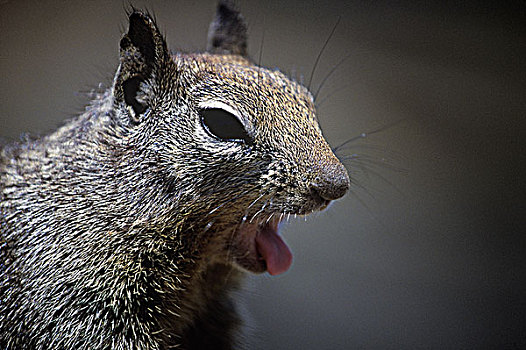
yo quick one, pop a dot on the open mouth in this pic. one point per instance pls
(258, 247)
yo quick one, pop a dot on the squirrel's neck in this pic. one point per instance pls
(215, 321)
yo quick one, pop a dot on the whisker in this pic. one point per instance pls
(380, 160)
(352, 139)
(362, 202)
(254, 203)
(331, 72)
(365, 134)
(358, 164)
(321, 51)
(331, 94)
(258, 212)
(375, 147)
(383, 178)
(256, 200)
(372, 162)
(358, 184)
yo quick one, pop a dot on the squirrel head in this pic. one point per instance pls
(237, 145)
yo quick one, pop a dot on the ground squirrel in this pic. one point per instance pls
(129, 227)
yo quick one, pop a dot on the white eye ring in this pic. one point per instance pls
(221, 105)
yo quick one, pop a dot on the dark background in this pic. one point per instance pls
(428, 251)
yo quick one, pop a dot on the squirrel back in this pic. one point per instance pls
(130, 226)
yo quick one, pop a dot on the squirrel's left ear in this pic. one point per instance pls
(143, 53)
(228, 31)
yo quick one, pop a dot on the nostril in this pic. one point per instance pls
(330, 191)
(333, 185)
(316, 193)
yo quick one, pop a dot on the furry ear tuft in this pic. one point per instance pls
(228, 31)
(143, 51)
(141, 34)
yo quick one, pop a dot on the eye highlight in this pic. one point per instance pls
(224, 125)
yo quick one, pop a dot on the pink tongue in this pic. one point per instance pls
(273, 249)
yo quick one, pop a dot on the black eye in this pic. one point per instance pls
(224, 125)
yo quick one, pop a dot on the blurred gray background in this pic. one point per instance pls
(428, 251)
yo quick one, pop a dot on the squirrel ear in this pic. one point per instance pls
(142, 51)
(228, 31)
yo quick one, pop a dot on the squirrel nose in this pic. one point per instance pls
(333, 183)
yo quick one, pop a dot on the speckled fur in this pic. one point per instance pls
(116, 229)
